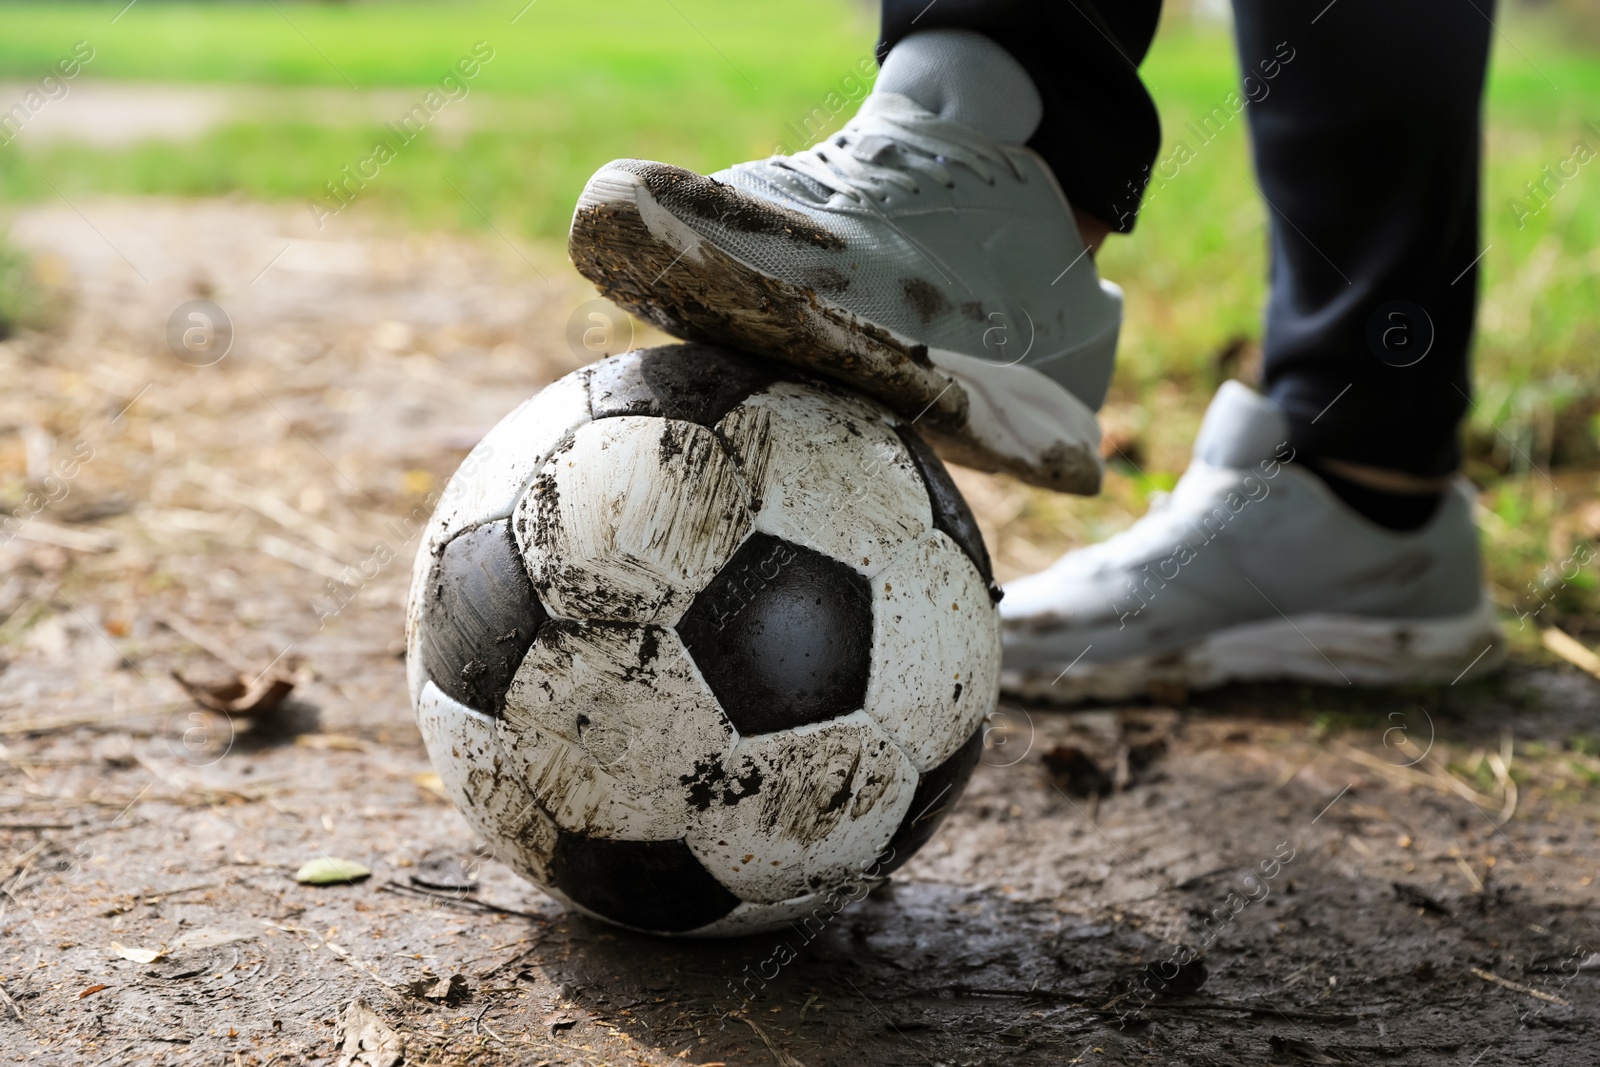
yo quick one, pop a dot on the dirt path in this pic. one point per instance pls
(117, 113)
(1354, 900)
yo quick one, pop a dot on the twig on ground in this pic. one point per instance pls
(218, 648)
(1473, 881)
(463, 902)
(269, 506)
(11, 1004)
(1105, 1008)
(1435, 776)
(164, 894)
(1518, 987)
(10, 892)
(784, 1059)
(1235, 1006)
(33, 850)
(95, 718)
(1500, 764)
(520, 955)
(1571, 649)
(48, 533)
(479, 1019)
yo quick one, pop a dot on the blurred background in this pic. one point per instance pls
(223, 124)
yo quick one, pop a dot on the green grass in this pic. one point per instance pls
(557, 46)
(577, 83)
(1540, 280)
(24, 302)
(574, 83)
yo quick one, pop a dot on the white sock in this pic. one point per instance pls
(963, 76)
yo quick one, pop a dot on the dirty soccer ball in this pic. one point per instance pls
(694, 641)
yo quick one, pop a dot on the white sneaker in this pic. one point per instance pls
(912, 256)
(1250, 570)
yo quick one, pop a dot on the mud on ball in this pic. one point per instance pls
(693, 640)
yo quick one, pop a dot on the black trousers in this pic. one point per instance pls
(1365, 119)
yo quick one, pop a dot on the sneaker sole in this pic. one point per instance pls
(1321, 649)
(649, 262)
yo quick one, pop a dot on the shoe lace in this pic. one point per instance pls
(891, 142)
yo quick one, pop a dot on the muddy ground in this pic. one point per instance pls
(1392, 877)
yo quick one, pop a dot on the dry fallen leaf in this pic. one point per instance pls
(331, 870)
(432, 783)
(244, 696)
(432, 987)
(138, 955)
(366, 1040)
(331, 742)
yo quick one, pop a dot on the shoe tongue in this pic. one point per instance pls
(964, 77)
(1240, 429)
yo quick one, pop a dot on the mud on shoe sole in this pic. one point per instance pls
(640, 255)
(1320, 649)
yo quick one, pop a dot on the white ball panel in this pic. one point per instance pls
(492, 478)
(582, 798)
(646, 512)
(630, 704)
(416, 674)
(935, 650)
(831, 796)
(648, 722)
(828, 471)
(420, 566)
(488, 793)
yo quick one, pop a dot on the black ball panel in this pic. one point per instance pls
(651, 885)
(950, 511)
(783, 635)
(937, 792)
(691, 382)
(479, 616)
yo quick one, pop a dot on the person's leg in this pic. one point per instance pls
(1357, 562)
(1100, 132)
(1367, 150)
